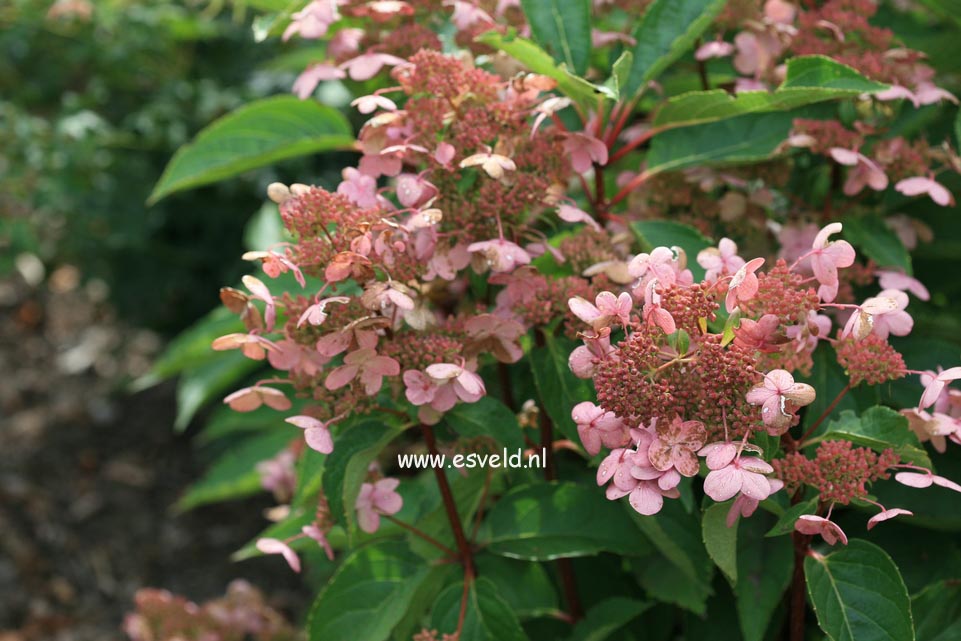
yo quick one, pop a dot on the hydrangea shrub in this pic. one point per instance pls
(667, 258)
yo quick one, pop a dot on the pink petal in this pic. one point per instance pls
(887, 515)
(723, 484)
(646, 500)
(914, 479)
(276, 546)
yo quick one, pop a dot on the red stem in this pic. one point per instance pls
(410, 528)
(463, 547)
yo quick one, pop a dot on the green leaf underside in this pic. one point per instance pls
(666, 31)
(858, 594)
(720, 540)
(809, 80)
(256, 135)
(544, 521)
(564, 27)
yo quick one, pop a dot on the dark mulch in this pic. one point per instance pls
(88, 475)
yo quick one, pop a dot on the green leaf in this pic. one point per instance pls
(559, 390)
(201, 384)
(764, 568)
(877, 241)
(539, 61)
(785, 523)
(743, 139)
(488, 617)
(720, 541)
(619, 73)
(661, 581)
(368, 594)
(562, 27)
(467, 491)
(234, 475)
(810, 79)
(527, 586)
(258, 134)
(858, 594)
(355, 447)
(544, 521)
(878, 428)
(668, 233)
(666, 31)
(487, 417)
(937, 612)
(607, 617)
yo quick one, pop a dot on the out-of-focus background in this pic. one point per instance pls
(95, 97)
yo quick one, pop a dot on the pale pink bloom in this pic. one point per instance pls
(617, 466)
(606, 309)
(889, 279)
(276, 546)
(928, 94)
(718, 455)
(316, 314)
(779, 11)
(446, 264)
(596, 347)
(572, 214)
(923, 185)
(261, 292)
(467, 14)
(345, 42)
(548, 108)
(756, 52)
(745, 475)
(291, 356)
(934, 427)
(371, 103)
(779, 398)
(442, 384)
(313, 21)
(884, 315)
(887, 515)
(278, 475)
(344, 265)
(763, 334)
(675, 446)
(745, 506)
(500, 255)
(414, 190)
(444, 153)
(275, 264)
(714, 49)
(924, 480)
(866, 172)
(250, 398)
(806, 335)
(604, 38)
(829, 530)
(653, 313)
(253, 346)
(742, 85)
(598, 427)
(826, 257)
(360, 188)
(367, 65)
(493, 164)
(647, 497)
(384, 10)
(720, 261)
(668, 265)
(796, 241)
(308, 80)
(316, 432)
(316, 534)
(935, 385)
(835, 30)
(585, 150)
(497, 335)
(385, 297)
(743, 285)
(368, 365)
(376, 499)
(897, 92)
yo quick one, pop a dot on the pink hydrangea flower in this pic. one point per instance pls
(261, 292)
(359, 187)
(743, 474)
(779, 398)
(923, 185)
(935, 384)
(316, 314)
(572, 214)
(675, 445)
(368, 365)
(497, 335)
(250, 398)
(933, 427)
(585, 150)
(606, 309)
(598, 427)
(597, 347)
(315, 533)
(414, 191)
(745, 506)
(881, 315)
(275, 264)
(316, 432)
(376, 499)
(308, 80)
(812, 525)
(714, 49)
(720, 261)
(372, 102)
(441, 385)
(253, 346)
(890, 279)
(924, 480)
(500, 255)
(887, 515)
(866, 172)
(276, 546)
(743, 285)
(494, 165)
(826, 257)
(367, 65)
(313, 21)
(763, 334)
